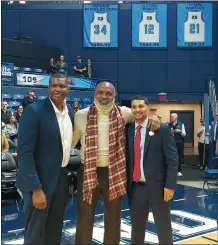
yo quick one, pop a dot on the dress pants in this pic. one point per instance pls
(86, 211)
(44, 227)
(203, 160)
(180, 149)
(140, 203)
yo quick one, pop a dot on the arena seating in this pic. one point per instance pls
(9, 171)
(14, 100)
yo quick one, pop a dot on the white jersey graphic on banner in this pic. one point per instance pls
(100, 29)
(149, 28)
(194, 28)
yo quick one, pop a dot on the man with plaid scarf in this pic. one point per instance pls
(100, 129)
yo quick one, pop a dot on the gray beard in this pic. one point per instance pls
(103, 107)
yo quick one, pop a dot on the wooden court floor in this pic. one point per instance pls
(210, 238)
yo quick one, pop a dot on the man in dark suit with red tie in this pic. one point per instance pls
(152, 163)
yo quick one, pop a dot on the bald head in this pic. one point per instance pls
(174, 117)
(105, 85)
(104, 94)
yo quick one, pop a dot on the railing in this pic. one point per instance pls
(212, 99)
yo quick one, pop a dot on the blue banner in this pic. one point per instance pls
(36, 80)
(7, 74)
(100, 25)
(149, 25)
(194, 24)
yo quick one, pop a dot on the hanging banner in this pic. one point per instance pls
(100, 28)
(7, 74)
(149, 25)
(194, 24)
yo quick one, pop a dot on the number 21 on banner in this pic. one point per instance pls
(194, 28)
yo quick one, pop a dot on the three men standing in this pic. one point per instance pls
(44, 151)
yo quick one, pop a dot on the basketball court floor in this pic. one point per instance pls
(194, 220)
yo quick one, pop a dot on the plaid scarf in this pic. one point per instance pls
(117, 159)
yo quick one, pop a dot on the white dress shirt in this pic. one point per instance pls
(215, 128)
(142, 144)
(66, 131)
(203, 139)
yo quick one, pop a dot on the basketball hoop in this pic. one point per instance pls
(162, 96)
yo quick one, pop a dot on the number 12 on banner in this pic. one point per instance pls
(149, 29)
(149, 25)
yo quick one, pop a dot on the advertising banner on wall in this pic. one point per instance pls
(7, 74)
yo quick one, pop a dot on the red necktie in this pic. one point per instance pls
(137, 155)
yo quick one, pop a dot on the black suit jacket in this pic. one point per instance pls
(160, 160)
(40, 150)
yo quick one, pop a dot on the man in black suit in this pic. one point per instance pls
(152, 164)
(44, 145)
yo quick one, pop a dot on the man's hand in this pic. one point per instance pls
(178, 131)
(216, 150)
(153, 123)
(39, 199)
(168, 194)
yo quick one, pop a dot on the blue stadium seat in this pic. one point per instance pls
(86, 100)
(16, 68)
(85, 105)
(13, 104)
(38, 71)
(12, 111)
(26, 69)
(69, 106)
(18, 97)
(42, 97)
(69, 99)
(7, 97)
(211, 171)
(76, 99)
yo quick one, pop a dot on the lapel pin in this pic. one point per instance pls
(151, 133)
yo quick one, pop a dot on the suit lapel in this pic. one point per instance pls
(131, 142)
(54, 118)
(147, 141)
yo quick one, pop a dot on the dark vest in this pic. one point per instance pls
(178, 137)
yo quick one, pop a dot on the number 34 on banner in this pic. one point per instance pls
(100, 25)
